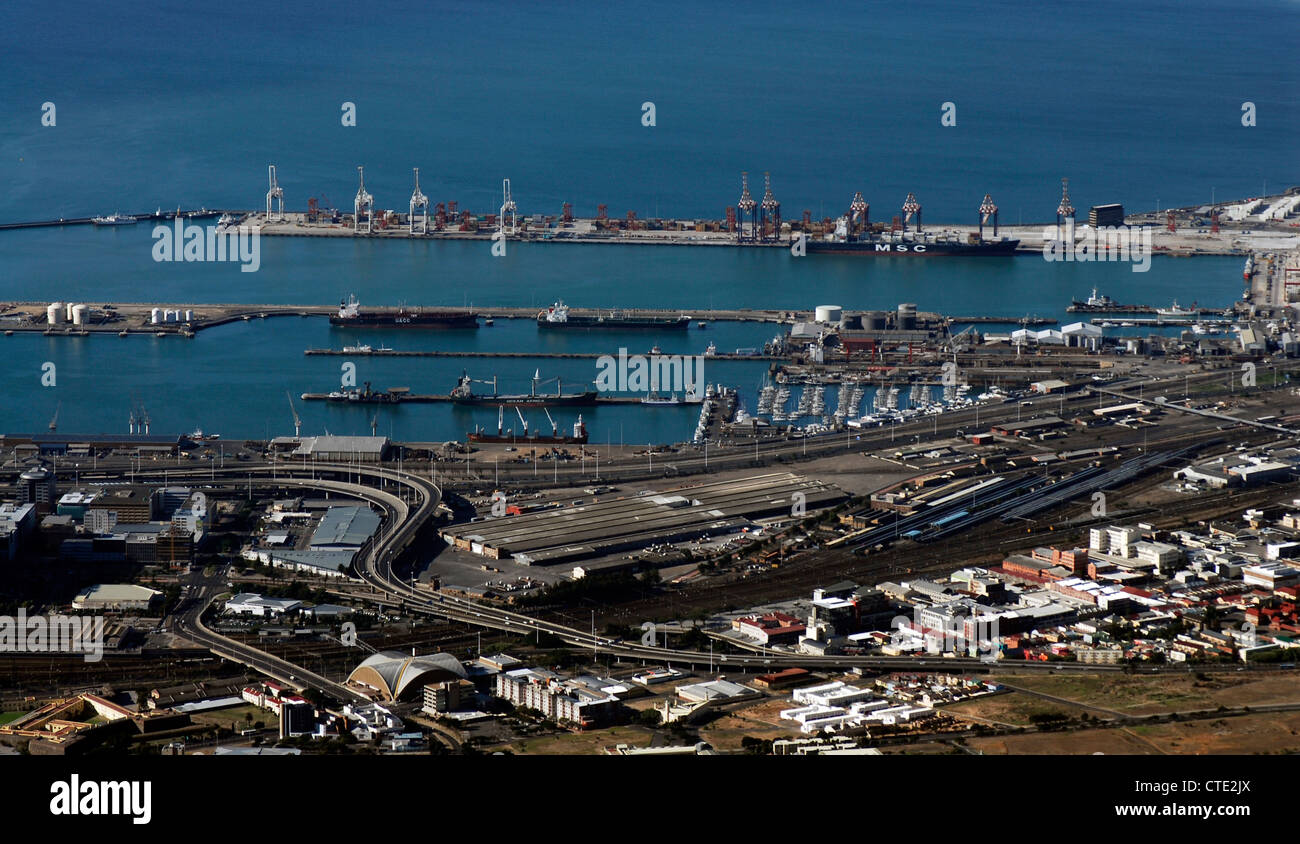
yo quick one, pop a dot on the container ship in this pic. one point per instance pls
(854, 235)
(558, 316)
(579, 436)
(463, 393)
(350, 315)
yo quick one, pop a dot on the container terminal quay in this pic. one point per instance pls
(1235, 227)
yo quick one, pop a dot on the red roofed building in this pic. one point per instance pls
(771, 629)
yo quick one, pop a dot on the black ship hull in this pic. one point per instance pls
(434, 320)
(530, 400)
(908, 248)
(509, 439)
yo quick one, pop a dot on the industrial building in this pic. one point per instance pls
(344, 528)
(334, 449)
(116, 596)
(619, 524)
(1106, 215)
(73, 445)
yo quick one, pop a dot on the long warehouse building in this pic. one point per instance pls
(632, 522)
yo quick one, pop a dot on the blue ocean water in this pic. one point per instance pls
(167, 103)
(171, 104)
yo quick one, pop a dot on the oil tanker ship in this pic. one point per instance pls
(558, 316)
(463, 393)
(579, 436)
(854, 235)
(350, 315)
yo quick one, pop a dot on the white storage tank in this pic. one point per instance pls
(155, 316)
(54, 313)
(169, 315)
(189, 316)
(79, 314)
(69, 308)
(829, 313)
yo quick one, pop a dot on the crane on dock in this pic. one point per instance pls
(297, 420)
(988, 210)
(859, 214)
(910, 207)
(508, 207)
(274, 193)
(746, 208)
(769, 211)
(421, 202)
(364, 202)
(1065, 209)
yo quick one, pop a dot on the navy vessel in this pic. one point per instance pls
(350, 315)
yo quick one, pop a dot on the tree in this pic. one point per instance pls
(649, 717)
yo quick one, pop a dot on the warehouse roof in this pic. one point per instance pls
(330, 444)
(345, 527)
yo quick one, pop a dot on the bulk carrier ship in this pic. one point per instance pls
(579, 436)
(350, 315)
(463, 393)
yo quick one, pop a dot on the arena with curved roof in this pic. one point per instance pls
(399, 676)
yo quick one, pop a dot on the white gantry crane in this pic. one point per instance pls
(297, 420)
(508, 208)
(1065, 209)
(419, 202)
(745, 209)
(364, 203)
(274, 194)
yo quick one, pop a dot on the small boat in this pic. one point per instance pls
(123, 333)
(710, 351)
(9, 332)
(488, 321)
(655, 350)
(1176, 311)
(703, 324)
